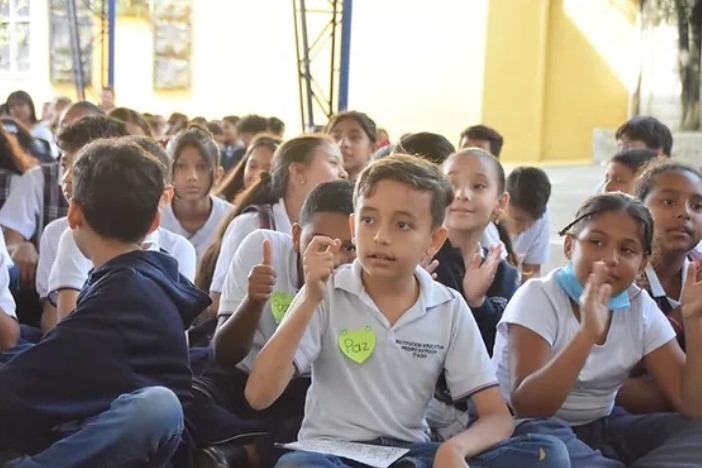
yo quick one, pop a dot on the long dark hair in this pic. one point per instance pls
(12, 157)
(200, 138)
(233, 183)
(23, 97)
(266, 191)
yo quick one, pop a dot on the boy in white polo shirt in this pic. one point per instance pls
(378, 333)
(70, 268)
(71, 139)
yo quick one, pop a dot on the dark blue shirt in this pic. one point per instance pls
(451, 271)
(127, 332)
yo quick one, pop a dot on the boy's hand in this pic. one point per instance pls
(448, 456)
(691, 304)
(262, 276)
(429, 265)
(318, 264)
(478, 278)
(594, 309)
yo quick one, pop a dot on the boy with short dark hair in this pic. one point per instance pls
(645, 132)
(527, 218)
(377, 334)
(249, 126)
(484, 137)
(106, 386)
(70, 268)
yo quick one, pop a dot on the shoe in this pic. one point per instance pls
(227, 455)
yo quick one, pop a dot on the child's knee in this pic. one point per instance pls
(548, 450)
(155, 410)
(306, 460)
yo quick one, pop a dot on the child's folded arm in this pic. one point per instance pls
(493, 426)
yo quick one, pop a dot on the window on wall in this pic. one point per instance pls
(14, 35)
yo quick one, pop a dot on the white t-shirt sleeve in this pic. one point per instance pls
(540, 249)
(311, 343)
(3, 250)
(7, 303)
(71, 268)
(467, 365)
(531, 308)
(657, 329)
(24, 204)
(186, 255)
(239, 228)
(236, 283)
(47, 255)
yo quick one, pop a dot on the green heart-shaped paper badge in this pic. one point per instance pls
(280, 302)
(357, 345)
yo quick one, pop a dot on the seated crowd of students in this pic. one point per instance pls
(201, 294)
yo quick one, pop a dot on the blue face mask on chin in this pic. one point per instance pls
(572, 287)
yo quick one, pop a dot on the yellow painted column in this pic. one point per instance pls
(515, 67)
(591, 69)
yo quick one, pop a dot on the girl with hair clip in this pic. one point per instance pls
(256, 161)
(356, 134)
(567, 343)
(194, 212)
(273, 202)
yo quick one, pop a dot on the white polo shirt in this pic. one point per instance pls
(370, 379)
(533, 245)
(287, 282)
(48, 247)
(71, 268)
(203, 237)
(7, 303)
(543, 307)
(657, 288)
(239, 228)
(25, 203)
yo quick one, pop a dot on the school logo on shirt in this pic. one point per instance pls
(357, 345)
(419, 350)
(280, 302)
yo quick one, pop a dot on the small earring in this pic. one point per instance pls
(302, 181)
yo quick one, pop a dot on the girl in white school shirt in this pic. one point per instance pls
(274, 202)
(673, 194)
(194, 213)
(568, 342)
